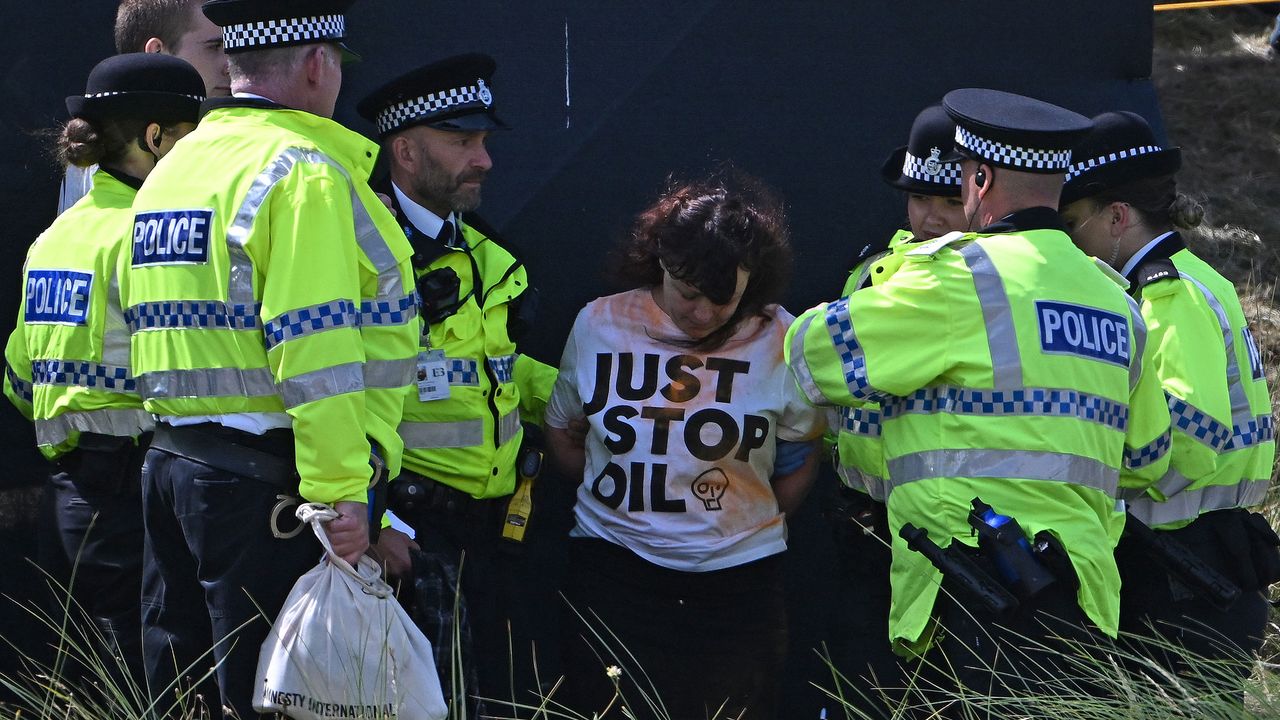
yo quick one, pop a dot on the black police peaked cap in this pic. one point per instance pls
(918, 167)
(449, 94)
(1119, 150)
(1013, 131)
(263, 24)
(149, 86)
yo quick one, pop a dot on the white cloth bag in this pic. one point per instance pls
(343, 648)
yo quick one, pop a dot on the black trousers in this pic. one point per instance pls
(96, 502)
(214, 578)
(691, 641)
(1179, 628)
(861, 651)
(461, 537)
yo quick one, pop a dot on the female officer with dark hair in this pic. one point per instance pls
(67, 362)
(1121, 204)
(680, 517)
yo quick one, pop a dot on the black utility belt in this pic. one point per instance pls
(411, 493)
(266, 458)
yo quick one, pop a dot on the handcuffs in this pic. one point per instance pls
(289, 502)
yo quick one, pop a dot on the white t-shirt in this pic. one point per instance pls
(681, 442)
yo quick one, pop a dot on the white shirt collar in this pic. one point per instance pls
(253, 96)
(1138, 256)
(421, 218)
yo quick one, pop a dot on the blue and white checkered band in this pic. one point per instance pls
(1079, 168)
(931, 169)
(286, 31)
(94, 96)
(1019, 157)
(391, 118)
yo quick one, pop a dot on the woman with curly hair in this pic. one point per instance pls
(697, 446)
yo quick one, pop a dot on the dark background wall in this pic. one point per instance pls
(607, 98)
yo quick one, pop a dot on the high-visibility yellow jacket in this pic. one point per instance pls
(1212, 374)
(1008, 368)
(67, 362)
(469, 439)
(265, 277)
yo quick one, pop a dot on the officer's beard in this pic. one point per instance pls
(438, 186)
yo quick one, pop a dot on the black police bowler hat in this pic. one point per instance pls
(263, 24)
(918, 167)
(150, 86)
(1120, 149)
(1013, 131)
(449, 94)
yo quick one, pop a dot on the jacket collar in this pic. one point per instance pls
(1034, 218)
(349, 148)
(122, 177)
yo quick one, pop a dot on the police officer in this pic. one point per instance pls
(170, 27)
(67, 363)
(270, 300)
(1121, 203)
(462, 429)
(932, 186)
(1010, 369)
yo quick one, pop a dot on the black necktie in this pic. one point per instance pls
(446, 236)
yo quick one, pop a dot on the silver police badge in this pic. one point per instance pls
(486, 97)
(933, 166)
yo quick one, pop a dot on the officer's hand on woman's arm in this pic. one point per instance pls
(568, 453)
(349, 532)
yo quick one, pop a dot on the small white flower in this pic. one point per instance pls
(613, 671)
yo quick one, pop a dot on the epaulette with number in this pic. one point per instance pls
(932, 247)
(1155, 271)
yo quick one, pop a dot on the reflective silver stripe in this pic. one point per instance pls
(800, 366)
(322, 383)
(1172, 483)
(460, 434)
(508, 427)
(370, 241)
(115, 332)
(853, 361)
(1241, 413)
(20, 386)
(207, 382)
(81, 373)
(864, 272)
(120, 422)
(1012, 464)
(860, 421)
(240, 277)
(389, 373)
(1002, 335)
(1139, 342)
(428, 435)
(1191, 504)
(1135, 458)
(1024, 402)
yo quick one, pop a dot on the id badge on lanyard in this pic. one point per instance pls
(433, 376)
